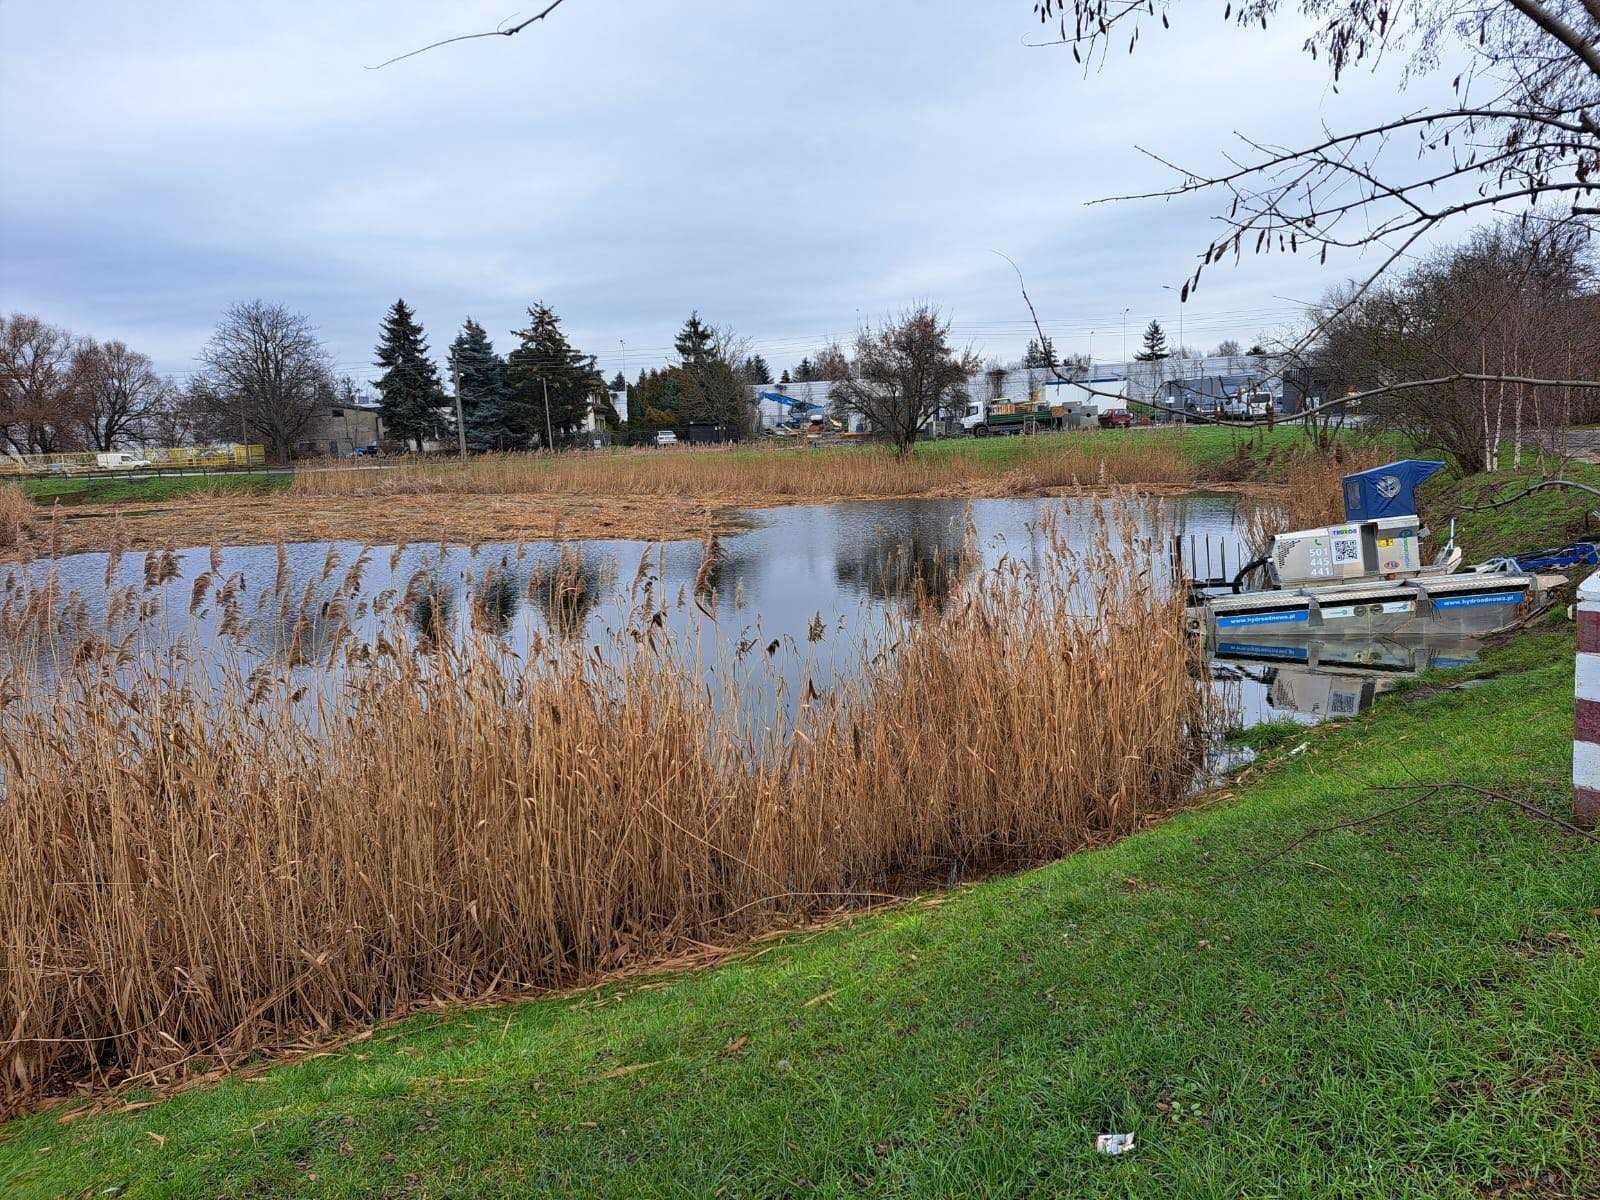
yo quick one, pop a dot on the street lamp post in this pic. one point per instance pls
(1167, 287)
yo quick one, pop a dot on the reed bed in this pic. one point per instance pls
(207, 862)
(16, 511)
(780, 472)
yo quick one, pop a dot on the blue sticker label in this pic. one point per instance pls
(1272, 618)
(1297, 653)
(1477, 601)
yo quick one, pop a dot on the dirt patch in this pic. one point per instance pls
(387, 520)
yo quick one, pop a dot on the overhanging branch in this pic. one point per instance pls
(508, 31)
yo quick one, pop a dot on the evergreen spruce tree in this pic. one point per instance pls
(1040, 354)
(619, 382)
(755, 370)
(696, 342)
(709, 390)
(805, 372)
(409, 392)
(785, 378)
(482, 376)
(1155, 343)
(551, 384)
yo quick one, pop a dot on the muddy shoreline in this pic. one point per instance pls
(463, 518)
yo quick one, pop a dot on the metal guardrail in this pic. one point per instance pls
(168, 458)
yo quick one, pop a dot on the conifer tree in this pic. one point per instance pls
(482, 377)
(1155, 343)
(696, 342)
(708, 389)
(409, 391)
(551, 384)
(1040, 354)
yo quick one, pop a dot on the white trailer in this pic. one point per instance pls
(1100, 395)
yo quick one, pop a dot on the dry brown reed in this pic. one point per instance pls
(15, 513)
(199, 871)
(777, 472)
(1312, 494)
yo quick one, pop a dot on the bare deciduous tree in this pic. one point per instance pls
(1525, 124)
(38, 402)
(1510, 302)
(901, 376)
(267, 375)
(119, 394)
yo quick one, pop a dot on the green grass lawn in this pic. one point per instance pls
(1204, 445)
(154, 489)
(1406, 1008)
(1549, 518)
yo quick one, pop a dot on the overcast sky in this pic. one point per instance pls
(785, 168)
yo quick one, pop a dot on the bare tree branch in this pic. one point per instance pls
(1542, 485)
(508, 31)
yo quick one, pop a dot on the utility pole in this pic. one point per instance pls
(461, 421)
(549, 437)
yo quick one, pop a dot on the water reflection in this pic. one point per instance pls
(1317, 678)
(920, 556)
(814, 583)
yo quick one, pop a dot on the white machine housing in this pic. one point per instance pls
(1385, 548)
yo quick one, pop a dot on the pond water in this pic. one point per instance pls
(810, 584)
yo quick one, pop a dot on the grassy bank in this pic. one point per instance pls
(1406, 1007)
(1550, 518)
(154, 489)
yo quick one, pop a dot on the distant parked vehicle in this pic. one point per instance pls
(665, 437)
(1117, 418)
(120, 460)
(366, 451)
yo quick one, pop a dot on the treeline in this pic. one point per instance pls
(1517, 299)
(61, 392)
(265, 377)
(541, 393)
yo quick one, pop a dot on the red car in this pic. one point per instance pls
(1117, 418)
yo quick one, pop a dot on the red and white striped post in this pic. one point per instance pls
(1586, 708)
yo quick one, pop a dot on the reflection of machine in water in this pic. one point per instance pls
(1333, 677)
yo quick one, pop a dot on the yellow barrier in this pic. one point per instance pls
(164, 458)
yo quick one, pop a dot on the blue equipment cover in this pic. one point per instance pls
(1579, 554)
(1388, 491)
(793, 405)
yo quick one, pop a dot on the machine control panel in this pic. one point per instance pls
(1381, 549)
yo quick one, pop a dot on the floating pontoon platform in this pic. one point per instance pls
(1369, 607)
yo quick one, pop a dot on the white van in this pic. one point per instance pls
(121, 460)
